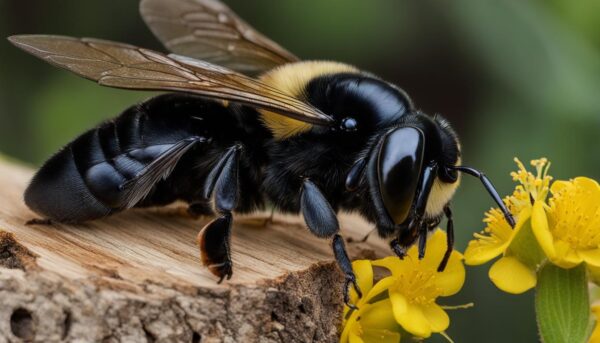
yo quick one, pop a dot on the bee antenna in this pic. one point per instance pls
(490, 188)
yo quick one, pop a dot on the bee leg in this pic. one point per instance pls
(424, 228)
(449, 238)
(406, 238)
(343, 261)
(418, 225)
(322, 222)
(215, 238)
(434, 223)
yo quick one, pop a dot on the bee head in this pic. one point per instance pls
(410, 170)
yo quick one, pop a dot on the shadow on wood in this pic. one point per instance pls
(137, 277)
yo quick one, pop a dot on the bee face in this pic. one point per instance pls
(408, 172)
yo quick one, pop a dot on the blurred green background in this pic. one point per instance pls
(516, 78)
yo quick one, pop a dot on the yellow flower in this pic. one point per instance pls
(372, 322)
(415, 285)
(568, 229)
(515, 271)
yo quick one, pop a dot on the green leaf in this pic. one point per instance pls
(562, 304)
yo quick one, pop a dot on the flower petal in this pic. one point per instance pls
(539, 224)
(436, 248)
(349, 326)
(565, 256)
(381, 336)
(379, 316)
(414, 321)
(392, 263)
(437, 317)
(451, 280)
(512, 276)
(591, 256)
(364, 277)
(354, 338)
(399, 305)
(594, 273)
(479, 252)
(381, 286)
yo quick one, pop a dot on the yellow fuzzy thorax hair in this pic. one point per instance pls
(292, 79)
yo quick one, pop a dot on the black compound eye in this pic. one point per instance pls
(349, 124)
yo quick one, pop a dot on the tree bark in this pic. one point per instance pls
(137, 277)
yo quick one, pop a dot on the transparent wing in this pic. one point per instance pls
(126, 66)
(210, 31)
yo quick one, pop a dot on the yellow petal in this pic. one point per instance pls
(414, 321)
(587, 183)
(354, 338)
(399, 305)
(392, 263)
(559, 185)
(486, 248)
(381, 286)
(512, 276)
(451, 280)
(436, 248)
(595, 278)
(379, 316)
(364, 277)
(349, 326)
(381, 336)
(595, 337)
(437, 317)
(479, 252)
(565, 256)
(539, 224)
(591, 257)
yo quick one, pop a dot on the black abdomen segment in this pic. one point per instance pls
(85, 179)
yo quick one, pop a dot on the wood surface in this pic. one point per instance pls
(137, 277)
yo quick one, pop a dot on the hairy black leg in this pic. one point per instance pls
(343, 261)
(491, 190)
(423, 229)
(404, 241)
(322, 222)
(398, 248)
(214, 238)
(417, 224)
(449, 238)
(431, 225)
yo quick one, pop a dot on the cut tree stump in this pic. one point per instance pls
(137, 277)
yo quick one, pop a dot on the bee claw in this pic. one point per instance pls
(398, 249)
(351, 280)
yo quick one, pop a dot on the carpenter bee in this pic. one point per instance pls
(247, 124)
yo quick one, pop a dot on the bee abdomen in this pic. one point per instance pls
(85, 179)
(59, 192)
(81, 182)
